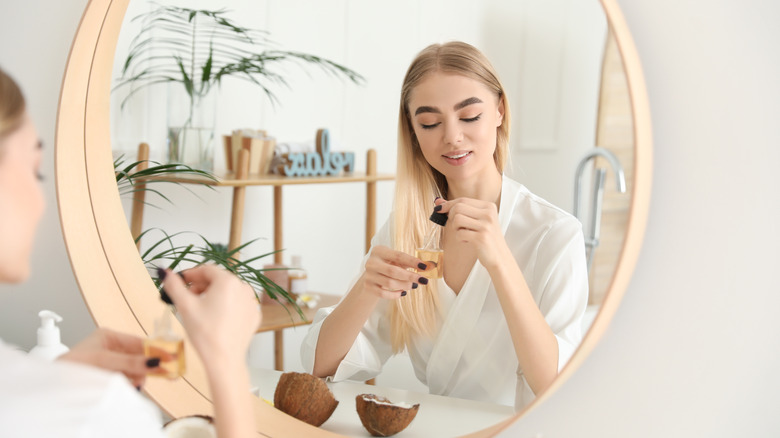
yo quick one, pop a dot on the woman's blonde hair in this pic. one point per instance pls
(12, 106)
(417, 183)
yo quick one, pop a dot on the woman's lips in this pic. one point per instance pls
(457, 158)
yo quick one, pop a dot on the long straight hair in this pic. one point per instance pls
(418, 183)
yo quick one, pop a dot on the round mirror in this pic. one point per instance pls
(105, 260)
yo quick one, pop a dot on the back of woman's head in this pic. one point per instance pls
(12, 106)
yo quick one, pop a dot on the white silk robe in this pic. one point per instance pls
(472, 356)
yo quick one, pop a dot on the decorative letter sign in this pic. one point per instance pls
(320, 163)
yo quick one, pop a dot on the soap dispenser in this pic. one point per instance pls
(49, 345)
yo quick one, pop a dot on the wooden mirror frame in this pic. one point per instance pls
(114, 282)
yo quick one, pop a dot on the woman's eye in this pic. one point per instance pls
(431, 126)
(473, 119)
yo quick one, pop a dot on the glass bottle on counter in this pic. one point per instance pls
(298, 278)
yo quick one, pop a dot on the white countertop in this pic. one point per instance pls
(437, 416)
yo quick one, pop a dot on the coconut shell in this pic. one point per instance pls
(304, 397)
(383, 419)
(193, 426)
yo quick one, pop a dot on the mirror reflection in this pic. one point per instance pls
(562, 82)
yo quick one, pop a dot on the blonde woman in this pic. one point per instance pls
(92, 391)
(505, 317)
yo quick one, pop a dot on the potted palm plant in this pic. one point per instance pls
(194, 49)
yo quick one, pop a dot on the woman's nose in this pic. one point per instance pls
(452, 133)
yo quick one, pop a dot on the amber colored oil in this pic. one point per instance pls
(171, 354)
(434, 259)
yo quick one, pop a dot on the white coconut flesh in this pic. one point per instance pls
(386, 402)
(190, 427)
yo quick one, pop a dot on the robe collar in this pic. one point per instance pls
(462, 318)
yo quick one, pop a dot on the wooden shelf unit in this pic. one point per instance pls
(275, 316)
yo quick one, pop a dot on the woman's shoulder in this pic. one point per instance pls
(58, 376)
(536, 210)
(77, 392)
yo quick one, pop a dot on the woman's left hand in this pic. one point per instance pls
(476, 222)
(114, 351)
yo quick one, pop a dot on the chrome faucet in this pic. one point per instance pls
(592, 239)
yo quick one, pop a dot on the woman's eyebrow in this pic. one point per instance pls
(427, 109)
(460, 105)
(467, 102)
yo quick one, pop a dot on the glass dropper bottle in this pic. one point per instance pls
(165, 344)
(431, 253)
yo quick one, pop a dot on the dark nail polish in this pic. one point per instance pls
(153, 362)
(436, 198)
(437, 208)
(414, 285)
(423, 280)
(161, 273)
(422, 266)
(165, 297)
(138, 388)
(403, 293)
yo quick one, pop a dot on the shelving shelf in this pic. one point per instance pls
(253, 179)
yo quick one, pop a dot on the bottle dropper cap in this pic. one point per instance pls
(438, 218)
(161, 273)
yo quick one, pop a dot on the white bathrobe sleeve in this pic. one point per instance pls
(563, 283)
(372, 346)
(559, 282)
(549, 247)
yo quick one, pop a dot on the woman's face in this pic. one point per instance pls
(21, 201)
(455, 119)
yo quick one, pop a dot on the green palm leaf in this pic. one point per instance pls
(198, 48)
(164, 249)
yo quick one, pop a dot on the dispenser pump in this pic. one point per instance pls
(49, 345)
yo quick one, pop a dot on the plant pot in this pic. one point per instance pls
(191, 123)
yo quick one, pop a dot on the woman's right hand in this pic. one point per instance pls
(390, 274)
(219, 311)
(221, 314)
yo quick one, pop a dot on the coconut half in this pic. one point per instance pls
(193, 426)
(381, 417)
(304, 397)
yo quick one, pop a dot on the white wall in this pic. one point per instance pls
(693, 349)
(36, 38)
